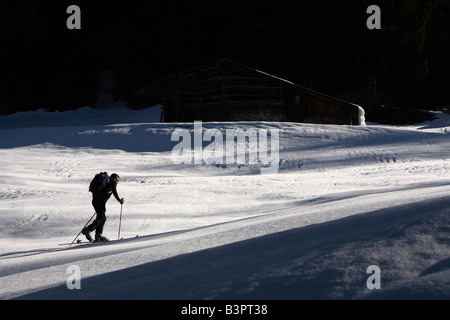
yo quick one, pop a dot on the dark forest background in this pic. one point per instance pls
(324, 45)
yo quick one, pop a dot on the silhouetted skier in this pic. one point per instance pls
(99, 199)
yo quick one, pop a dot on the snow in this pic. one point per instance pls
(344, 198)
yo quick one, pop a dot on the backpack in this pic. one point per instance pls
(99, 182)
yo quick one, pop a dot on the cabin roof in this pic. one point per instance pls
(179, 76)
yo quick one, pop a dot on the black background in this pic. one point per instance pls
(324, 45)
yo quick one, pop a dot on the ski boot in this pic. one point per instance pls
(87, 234)
(100, 238)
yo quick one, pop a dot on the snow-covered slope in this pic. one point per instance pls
(344, 198)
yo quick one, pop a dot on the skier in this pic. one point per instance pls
(99, 200)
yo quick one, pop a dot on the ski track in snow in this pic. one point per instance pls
(344, 198)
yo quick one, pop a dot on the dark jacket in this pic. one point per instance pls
(105, 193)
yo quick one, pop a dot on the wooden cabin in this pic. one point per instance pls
(229, 91)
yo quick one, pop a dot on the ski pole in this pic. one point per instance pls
(120, 220)
(83, 228)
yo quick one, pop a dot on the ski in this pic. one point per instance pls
(136, 236)
(80, 242)
(75, 243)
